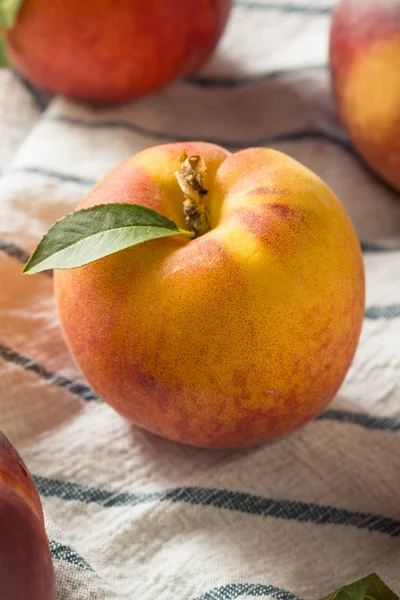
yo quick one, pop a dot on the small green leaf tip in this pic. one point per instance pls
(4, 61)
(9, 10)
(86, 235)
(368, 588)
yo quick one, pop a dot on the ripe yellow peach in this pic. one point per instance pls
(365, 61)
(237, 336)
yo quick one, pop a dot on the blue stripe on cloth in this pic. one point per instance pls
(39, 100)
(369, 247)
(392, 311)
(308, 135)
(117, 124)
(302, 512)
(13, 251)
(361, 419)
(287, 136)
(60, 551)
(287, 7)
(73, 387)
(19, 254)
(232, 82)
(52, 175)
(237, 590)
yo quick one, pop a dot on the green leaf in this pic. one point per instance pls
(4, 61)
(9, 10)
(92, 233)
(368, 588)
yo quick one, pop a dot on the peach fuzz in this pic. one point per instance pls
(238, 336)
(364, 62)
(26, 569)
(113, 50)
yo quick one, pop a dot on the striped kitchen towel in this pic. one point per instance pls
(129, 515)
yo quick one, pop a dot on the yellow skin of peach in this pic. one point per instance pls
(365, 63)
(235, 337)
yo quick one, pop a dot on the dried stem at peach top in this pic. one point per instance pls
(190, 178)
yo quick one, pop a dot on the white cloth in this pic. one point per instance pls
(133, 516)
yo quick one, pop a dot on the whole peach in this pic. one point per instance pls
(113, 50)
(237, 336)
(365, 66)
(26, 569)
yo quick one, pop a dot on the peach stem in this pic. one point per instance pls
(190, 178)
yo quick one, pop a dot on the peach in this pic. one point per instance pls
(113, 50)
(364, 61)
(237, 336)
(26, 569)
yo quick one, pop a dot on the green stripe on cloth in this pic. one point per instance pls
(237, 590)
(60, 551)
(78, 389)
(298, 135)
(392, 311)
(54, 175)
(250, 504)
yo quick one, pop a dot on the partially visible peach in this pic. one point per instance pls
(237, 336)
(365, 68)
(113, 50)
(26, 569)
